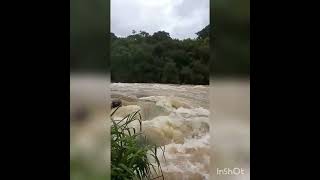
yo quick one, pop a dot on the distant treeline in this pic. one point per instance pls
(158, 58)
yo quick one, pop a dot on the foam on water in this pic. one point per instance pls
(173, 116)
(170, 103)
(190, 157)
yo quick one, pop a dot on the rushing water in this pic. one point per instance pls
(174, 116)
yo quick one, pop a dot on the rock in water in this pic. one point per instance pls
(115, 103)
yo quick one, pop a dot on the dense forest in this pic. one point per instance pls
(158, 58)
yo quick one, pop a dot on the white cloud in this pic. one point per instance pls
(181, 18)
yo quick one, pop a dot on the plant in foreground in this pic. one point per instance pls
(130, 152)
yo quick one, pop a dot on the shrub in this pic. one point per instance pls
(130, 152)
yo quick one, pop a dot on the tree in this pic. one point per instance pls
(113, 36)
(186, 75)
(144, 34)
(170, 73)
(204, 33)
(161, 35)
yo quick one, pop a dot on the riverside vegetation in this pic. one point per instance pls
(131, 154)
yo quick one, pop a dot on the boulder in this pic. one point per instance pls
(115, 103)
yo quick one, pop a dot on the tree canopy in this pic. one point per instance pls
(158, 58)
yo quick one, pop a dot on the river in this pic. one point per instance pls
(174, 116)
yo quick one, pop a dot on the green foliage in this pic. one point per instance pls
(158, 58)
(204, 33)
(161, 36)
(170, 73)
(131, 153)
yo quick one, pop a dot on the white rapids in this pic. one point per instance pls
(174, 116)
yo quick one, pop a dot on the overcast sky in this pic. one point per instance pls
(181, 18)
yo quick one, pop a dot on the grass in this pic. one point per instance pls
(131, 154)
